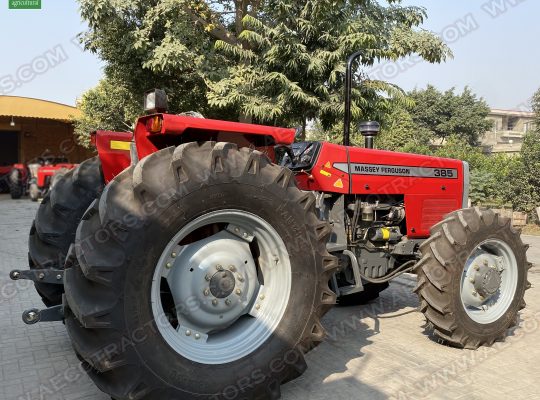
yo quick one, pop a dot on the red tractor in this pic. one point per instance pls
(37, 178)
(206, 252)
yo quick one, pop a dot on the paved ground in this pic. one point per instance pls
(378, 351)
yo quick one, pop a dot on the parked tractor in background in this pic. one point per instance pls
(37, 178)
(4, 178)
(206, 252)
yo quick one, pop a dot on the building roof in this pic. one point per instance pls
(512, 113)
(15, 106)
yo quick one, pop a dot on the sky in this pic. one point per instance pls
(493, 42)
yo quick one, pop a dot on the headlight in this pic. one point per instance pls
(155, 101)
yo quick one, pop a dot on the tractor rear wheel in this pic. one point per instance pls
(472, 278)
(16, 188)
(58, 215)
(202, 272)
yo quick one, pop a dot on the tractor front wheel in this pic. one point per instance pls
(472, 278)
(16, 185)
(202, 272)
(33, 191)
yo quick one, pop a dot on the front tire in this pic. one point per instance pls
(16, 186)
(190, 232)
(33, 191)
(472, 278)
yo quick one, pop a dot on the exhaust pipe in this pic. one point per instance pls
(368, 129)
(348, 89)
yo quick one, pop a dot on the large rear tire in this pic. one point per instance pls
(472, 278)
(58, 215)
(165, 260)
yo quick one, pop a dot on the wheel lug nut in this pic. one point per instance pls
(240, 278)
(258, 307)
(476, 267)
(219, 267)
(228, 302)
(245, 234)
(232, 268)
(188, 333)
(168, 265)
(41, 275)
(215, 302)
(206, 292)
(173, 254)
(197, 336)
(262, 297)
(238, 292)
(474, 293)
(471, 280)
(208, 277)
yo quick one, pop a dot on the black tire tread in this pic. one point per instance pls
(56, 221)
(92, 292)
(434, 273)
(15, 185)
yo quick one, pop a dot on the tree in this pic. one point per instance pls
(523, 189)
(446, 113)
(400, 133)
(291, 59)
(275, 61)
(109, 106)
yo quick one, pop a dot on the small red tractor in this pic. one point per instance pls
(38, 177)
(206, 252)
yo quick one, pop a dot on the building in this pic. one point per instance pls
(30, 128)
(508, 130)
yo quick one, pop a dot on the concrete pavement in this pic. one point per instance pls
(377, 351)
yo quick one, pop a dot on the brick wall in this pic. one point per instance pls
(36, 136)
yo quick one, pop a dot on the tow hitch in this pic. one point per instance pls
(54, 276)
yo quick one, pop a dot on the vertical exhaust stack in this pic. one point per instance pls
(368, 129)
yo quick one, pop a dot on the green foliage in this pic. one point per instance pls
(108, 106)
(400, 133)
(290, 61)
(278, 61)
(446, 113)
(524, 191)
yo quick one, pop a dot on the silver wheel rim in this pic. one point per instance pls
(489, 281)
(227, 302)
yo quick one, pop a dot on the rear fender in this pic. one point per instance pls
(158, 131)
(113, 150)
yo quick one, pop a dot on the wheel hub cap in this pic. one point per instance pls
(218, 274)
(222, 284)
(489, 281)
